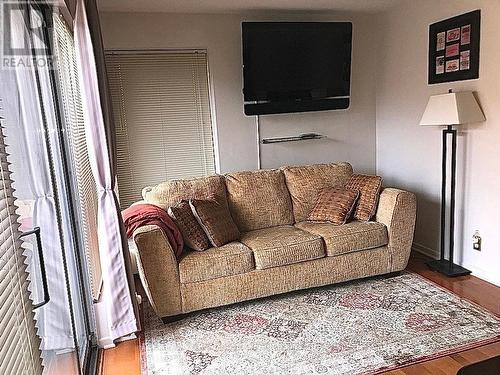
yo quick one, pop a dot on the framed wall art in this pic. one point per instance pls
(454, 48)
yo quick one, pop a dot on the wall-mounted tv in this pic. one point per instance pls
(296, 66)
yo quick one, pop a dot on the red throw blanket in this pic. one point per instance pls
(142, 214)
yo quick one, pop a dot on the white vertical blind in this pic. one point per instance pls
(161, 109)
(19, 344)
(74, 125)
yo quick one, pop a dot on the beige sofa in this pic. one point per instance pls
(278, 250)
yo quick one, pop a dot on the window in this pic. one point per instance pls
(41, 160)
(19, 352)
(74, 127)
(161, 109)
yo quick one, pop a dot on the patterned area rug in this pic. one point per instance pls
(361, 327)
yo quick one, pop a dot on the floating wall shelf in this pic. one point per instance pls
(301, 137)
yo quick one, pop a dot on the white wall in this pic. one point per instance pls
(351, 133)
(389, 89)
(409, 155)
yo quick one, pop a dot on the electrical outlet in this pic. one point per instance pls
(476, 241)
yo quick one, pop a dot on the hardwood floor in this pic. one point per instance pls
(124, 359)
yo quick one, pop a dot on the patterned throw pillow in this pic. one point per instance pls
(369, 190)
(334, 205)
(191, 231)
(216, 221)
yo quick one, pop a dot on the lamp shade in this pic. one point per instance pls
(454, 108)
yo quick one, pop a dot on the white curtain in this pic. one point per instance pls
(33, 182)
(117, 313)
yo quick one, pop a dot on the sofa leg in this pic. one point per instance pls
(392, 274)
(173, 318)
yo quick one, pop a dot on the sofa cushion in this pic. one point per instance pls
(278, 246)
(231, 259)
(334, 205)
(171, 192)
(259, 199)
(353, 236)
(192, 233)
(216, 221)
(369, 191)
(305, 183)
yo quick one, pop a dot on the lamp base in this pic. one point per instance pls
(443, 266)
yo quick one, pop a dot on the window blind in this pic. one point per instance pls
(19, 344)
(74, 125)
(161, 109)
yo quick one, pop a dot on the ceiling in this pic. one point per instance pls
(240, 6)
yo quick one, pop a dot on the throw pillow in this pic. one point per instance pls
(369, 190)
(216, 221)
(193, 234)
(334, 205)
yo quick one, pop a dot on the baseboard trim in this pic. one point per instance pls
(478, 272)
(432, 253)
(482, 274)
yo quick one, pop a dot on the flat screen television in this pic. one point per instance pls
(290, 62)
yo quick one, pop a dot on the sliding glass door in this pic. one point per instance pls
(43, 170)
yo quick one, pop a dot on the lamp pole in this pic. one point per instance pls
(446, 266)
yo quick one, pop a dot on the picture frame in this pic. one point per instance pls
(454, 48)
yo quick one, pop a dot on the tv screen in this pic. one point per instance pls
(296, 60)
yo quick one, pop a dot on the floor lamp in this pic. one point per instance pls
(454, 108)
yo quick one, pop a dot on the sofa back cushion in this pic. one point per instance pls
(259, 199)
(168, 194)
(306, 182)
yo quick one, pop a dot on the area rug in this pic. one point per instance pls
(361, 327)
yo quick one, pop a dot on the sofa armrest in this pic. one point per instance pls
(397, 209)
(158, 270)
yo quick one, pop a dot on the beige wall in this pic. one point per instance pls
(351, 133)
(409, 155)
